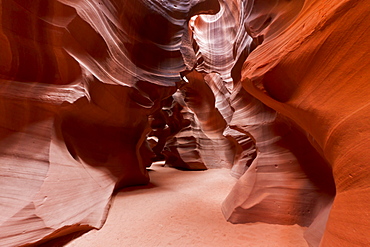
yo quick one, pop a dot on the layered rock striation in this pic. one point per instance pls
(92, 92)
(78, 82)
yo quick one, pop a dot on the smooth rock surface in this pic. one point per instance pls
(182, 208)
(92, 92)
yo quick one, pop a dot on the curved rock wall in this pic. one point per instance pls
(318, 78)
(78, 82)
(93, 91)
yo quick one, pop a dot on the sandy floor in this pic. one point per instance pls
(183, 208)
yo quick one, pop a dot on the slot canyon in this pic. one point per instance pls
(250, 114)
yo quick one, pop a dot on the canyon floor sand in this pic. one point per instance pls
(183, 208)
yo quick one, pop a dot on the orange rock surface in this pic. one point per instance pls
(316, 74)
(91, 92)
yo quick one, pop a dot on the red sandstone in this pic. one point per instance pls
(92, 92)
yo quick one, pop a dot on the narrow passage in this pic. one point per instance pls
(183, 208)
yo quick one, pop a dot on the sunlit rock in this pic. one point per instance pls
(92, 92)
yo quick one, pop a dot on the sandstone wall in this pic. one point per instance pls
(93, 91)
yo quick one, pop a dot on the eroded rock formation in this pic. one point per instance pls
(318, 78)
(93, 91)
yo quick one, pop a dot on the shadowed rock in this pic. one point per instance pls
(93, 91)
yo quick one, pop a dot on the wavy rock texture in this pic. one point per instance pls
(78, 80)
(93, 91)
(284, 184)
(315, 73)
